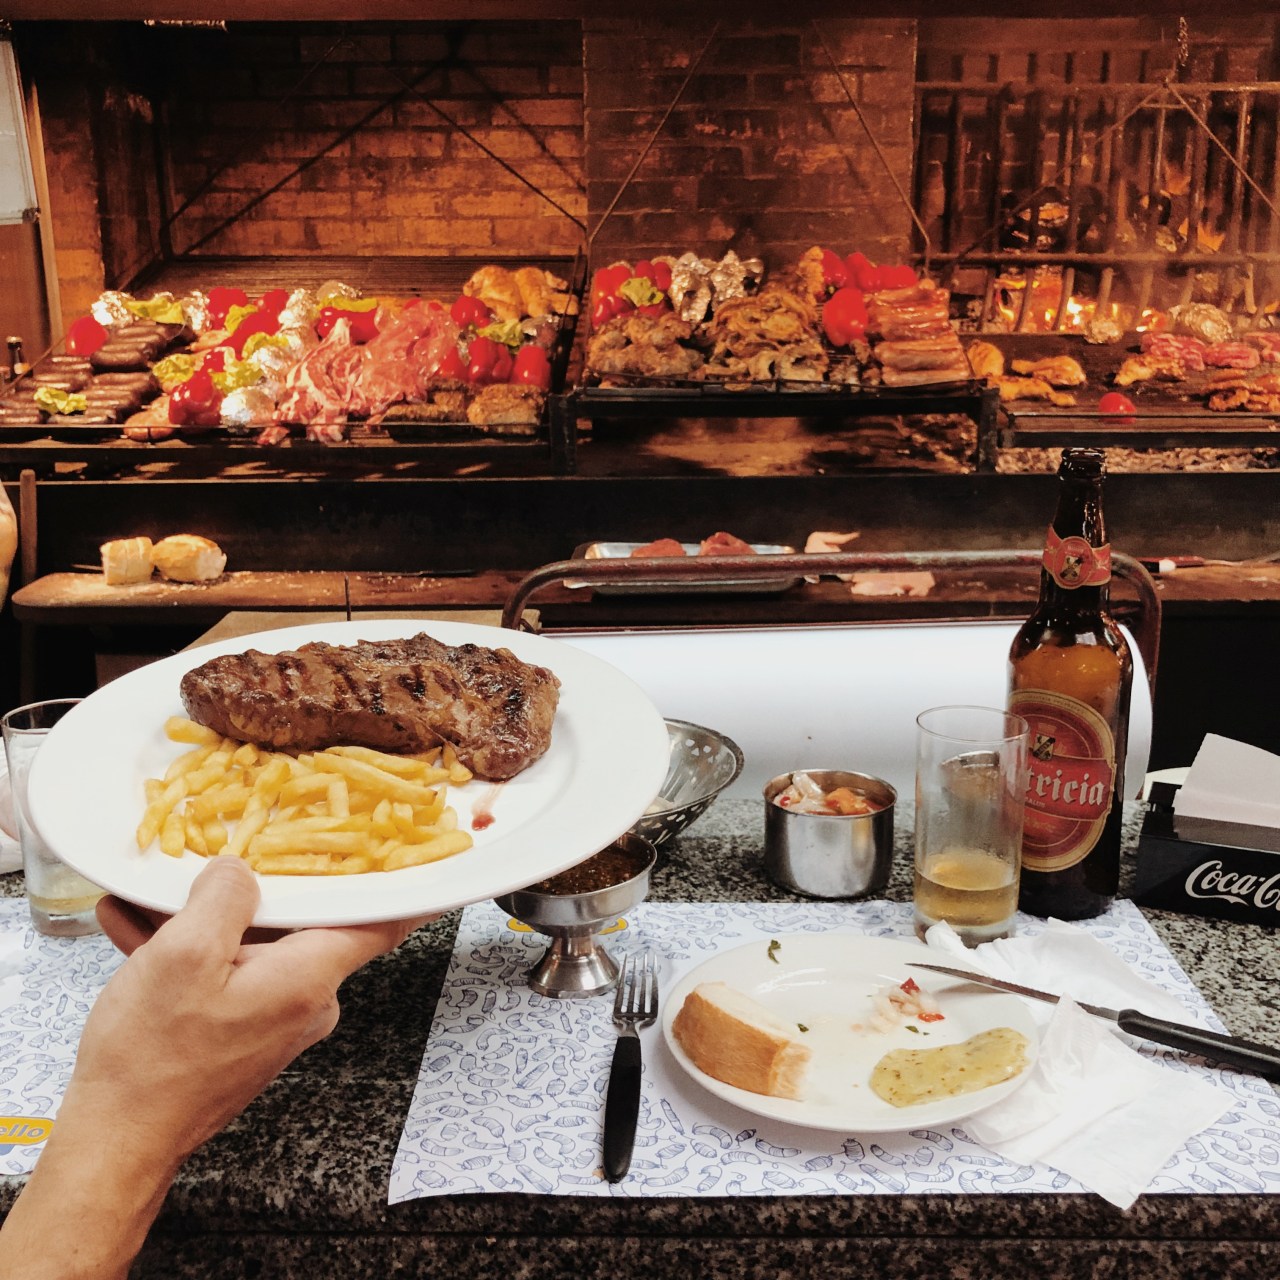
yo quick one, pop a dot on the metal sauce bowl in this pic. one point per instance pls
(830, 855)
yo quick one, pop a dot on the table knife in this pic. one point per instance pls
(1261, 1059)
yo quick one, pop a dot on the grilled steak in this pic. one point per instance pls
(394, 695)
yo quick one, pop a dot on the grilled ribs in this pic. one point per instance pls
(394, 695)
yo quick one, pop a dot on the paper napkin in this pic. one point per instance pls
(1092, 1107)
(1231, 781)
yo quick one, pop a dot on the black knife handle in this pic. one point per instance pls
(622, 1106)
(1258, 1058)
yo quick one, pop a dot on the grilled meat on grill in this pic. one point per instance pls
(393, 695)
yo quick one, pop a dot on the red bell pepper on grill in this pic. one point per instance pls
(273, 302)
(221, 300)
(835, 274)
(862, 272)
(607, 280)
(654, 309)
(257, 322)
(452, 366)
(657, 272)
(532, 368)
(470, 312)
(196, 402)
(488, 361)
(215, 361)
(85, 336)
(606, 308)
(364, 324)
(844, 317)
(895, 278)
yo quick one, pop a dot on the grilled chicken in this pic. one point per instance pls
(394, 695)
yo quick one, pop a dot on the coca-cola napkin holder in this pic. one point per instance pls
(1205, 867)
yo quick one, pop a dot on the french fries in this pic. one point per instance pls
(341, 811)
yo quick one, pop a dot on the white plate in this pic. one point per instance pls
(827, 982)
(608, 757)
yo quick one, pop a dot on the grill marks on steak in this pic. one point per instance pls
(394, 695)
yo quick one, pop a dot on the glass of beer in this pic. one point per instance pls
(971, 778)
(61, 900)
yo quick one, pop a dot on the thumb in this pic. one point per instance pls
(220, 907)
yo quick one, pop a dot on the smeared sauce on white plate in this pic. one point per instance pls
(906, 1077)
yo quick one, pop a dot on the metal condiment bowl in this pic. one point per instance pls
(702, 764)
(575, 964)
(830, 855)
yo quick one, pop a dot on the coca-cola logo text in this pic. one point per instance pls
(1210, 880)
(1069, 788)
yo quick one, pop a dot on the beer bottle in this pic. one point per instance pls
(1070, 672)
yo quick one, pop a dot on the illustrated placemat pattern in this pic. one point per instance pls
(510, 1096)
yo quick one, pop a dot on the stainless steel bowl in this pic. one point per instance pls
(830, 855)
(702, 764)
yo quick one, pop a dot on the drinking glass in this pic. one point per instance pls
(971, 778)
(61, 900)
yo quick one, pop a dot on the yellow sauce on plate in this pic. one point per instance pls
(905, 1077)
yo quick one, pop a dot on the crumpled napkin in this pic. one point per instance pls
(1091, 1107)
(10, 853)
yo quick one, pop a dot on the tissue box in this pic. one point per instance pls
(1230, 870)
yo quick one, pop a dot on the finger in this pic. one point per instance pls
(335, 954)
(219, 908)
(126, 925)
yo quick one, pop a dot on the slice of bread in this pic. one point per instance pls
(736, 1039)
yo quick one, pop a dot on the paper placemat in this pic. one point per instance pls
(510, 1096)
(47, 987)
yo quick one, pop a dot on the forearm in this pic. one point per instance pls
(86, 1208)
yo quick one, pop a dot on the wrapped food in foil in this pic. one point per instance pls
(247, 410)
(1201, 320)
(731, 277)
(300, 311)
(274, 362)
(299, 340)
(1103, 329)
(336, 289)
(691, 289)
(195, 309)
(111, 309)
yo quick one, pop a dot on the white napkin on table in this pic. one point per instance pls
(1231, 781)
(1091, 1106)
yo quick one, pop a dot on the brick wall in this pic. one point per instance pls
(763, 153)
(393, 176)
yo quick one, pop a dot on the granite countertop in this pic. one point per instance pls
(297, 1186)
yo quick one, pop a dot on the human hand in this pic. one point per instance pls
(195, 1023)
(200, 1019)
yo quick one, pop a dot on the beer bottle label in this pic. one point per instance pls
(1070, 782)
(1071, 562)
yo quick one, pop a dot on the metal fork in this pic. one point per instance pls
(634, 1006)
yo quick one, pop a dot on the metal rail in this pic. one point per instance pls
(1145, 625)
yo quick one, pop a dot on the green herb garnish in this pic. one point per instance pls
(802, 1026)
(774, 947)
(911, 1028)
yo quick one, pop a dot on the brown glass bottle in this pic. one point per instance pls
(1070, 673)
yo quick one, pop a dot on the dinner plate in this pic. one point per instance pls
(607, 759)
(827, 983)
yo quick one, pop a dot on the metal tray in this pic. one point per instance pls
(684, 586)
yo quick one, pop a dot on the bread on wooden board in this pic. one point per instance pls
(187, 557)
(126, 560)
